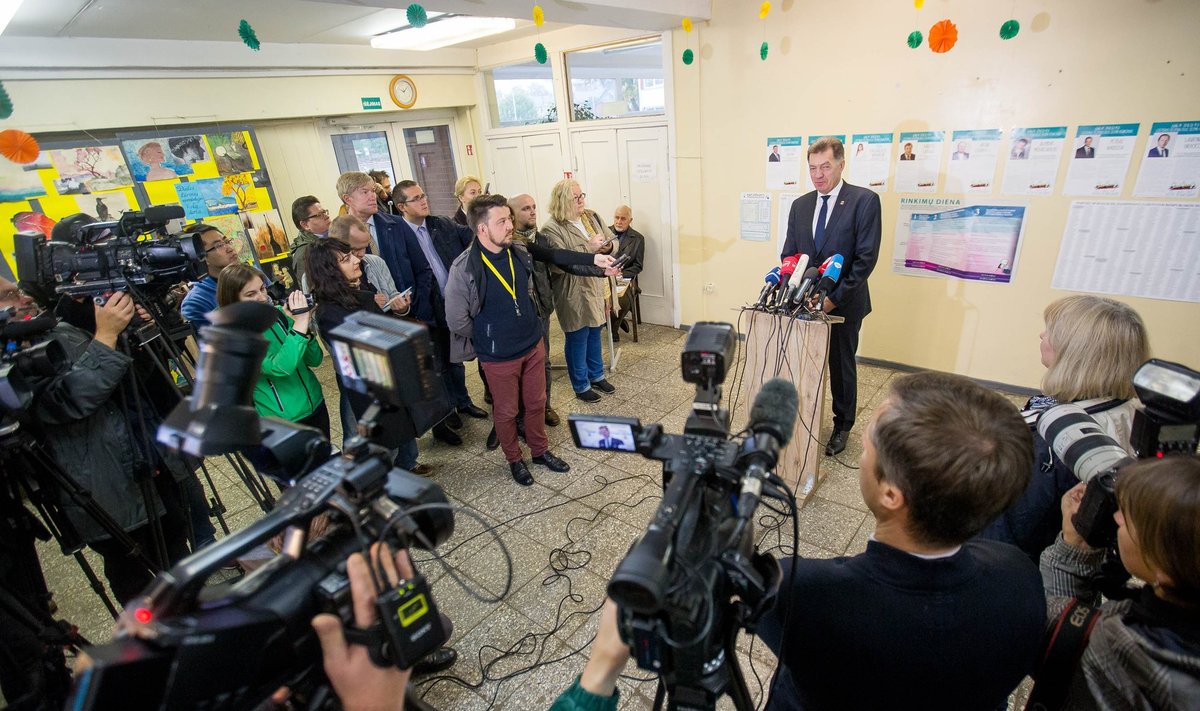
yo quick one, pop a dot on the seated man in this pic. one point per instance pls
(634, 245)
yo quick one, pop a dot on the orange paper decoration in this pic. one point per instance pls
(18, 146)
(943, 36)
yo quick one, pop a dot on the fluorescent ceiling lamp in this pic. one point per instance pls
(443, 31)
(8, 8)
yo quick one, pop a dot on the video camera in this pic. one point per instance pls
(19, 364)
(88, 258)
(693, 579)
(182, 645)
(1168, 423)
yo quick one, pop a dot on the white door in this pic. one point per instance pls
(642, 157)
(544, 158)
(510, 172)
(594, 159)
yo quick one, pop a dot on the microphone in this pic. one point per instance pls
(832, 273)
(801, 265)
(810, 277)
(785, 272)
(772, 280)
(772, 419)
(824, 265)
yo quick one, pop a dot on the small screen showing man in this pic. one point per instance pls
(595, 435)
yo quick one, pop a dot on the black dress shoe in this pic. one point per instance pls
(472, 411)
(837, 442)
(443, 433)
(453, 421)
(551, 462)
(436, 661)
(520, 472)
(604, 386)
(588, 395)
(493, 440)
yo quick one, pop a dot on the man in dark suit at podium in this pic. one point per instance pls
(846, 222)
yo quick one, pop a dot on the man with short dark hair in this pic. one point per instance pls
(218, 254)
(1086, 150)
(312, 221)
(940, 620)
(383, 190)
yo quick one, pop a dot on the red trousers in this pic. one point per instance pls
(511, 382)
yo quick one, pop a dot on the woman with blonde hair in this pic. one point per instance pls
(579, 300)
(466, 189)
(1091, 347)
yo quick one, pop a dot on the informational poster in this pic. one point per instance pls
(785, 162)
(756, 217)
(868, 158)
(811, 140)
(973, 161)
(1100, 159)
(919, 160)
(1171, 166)
(1034, 155)
(910, 206)
(974, 242)
(1131, 248)
(785, 211)
(202, 198)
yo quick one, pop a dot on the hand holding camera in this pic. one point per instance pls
(113, 317)
(299, 307)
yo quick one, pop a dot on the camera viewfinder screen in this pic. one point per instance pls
(606, 435)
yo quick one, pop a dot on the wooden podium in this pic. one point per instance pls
(793, 349)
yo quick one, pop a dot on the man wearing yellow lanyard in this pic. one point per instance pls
(492, 316)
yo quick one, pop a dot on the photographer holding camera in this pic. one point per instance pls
(1142, 652)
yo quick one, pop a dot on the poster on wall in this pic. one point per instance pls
(785, 161)
(972, 167)
(267, 238)
(105, 207)
(1159, 252)
(869, 156)
(785, 211)
(973, 242)
(755, 221)
(233, 229)
(1171, 166)
(150, 160)
(811, 140)
(91, 169)
(231, 151)
(1034, 155)
(18, 183)
(918, 162)
(910, 206)
(204, 198)
(1100, 159)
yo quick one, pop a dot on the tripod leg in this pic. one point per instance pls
(97, 586)
(660, 695)
(738, 692)
(216, 507)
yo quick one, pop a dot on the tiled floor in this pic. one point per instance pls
(566, 533)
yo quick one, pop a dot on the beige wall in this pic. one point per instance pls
(847, 69)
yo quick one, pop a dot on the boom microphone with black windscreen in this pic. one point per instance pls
(830, 278)
(772, 419)
(806, 284)
(772, 281)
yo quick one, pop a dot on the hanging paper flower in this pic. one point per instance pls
(688, 56)
(416, 15)
(539, 53)
(539, 17)
(764, 9)
(246, 32)
(1009, 29)
(687, 24)
(918, 4)
(943, 36)
(6, 104)
(18, 146)
(762, 51)
(915, 38)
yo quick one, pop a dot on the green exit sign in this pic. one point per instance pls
(372, 103)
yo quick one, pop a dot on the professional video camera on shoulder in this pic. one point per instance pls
(1168, 423)
(693, 579)
(21, 363)
(84, 257)
(182, 645)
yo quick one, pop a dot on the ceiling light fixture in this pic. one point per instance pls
(8, 8)
(443, 31)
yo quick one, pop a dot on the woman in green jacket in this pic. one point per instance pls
(286, 387)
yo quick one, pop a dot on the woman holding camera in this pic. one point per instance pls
(287, 387)
(1091, 347)
(1143, 652)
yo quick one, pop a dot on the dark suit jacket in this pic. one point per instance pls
(1082, 152)
(449, 240)
(633, 244)
(853, 230)
(908, 157)
(1155, 152)
(774, 158)
(394, 238)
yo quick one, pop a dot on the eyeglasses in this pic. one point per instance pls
(345, 257)
(580, 197)
(220, 245)
(315, 215)
(416, 198)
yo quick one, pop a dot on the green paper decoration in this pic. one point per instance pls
(416, 15)
(915, 38)
(6, 104)
(762, 51)
(688, 57)
(1009, 29)
(539, 53)
(246, 32)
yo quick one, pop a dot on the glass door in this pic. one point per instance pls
(364, 151)
(431, 157)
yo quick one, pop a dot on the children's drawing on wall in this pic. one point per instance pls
(89, 170)
(105, 207)
(149, 160)
(233, 229)
(29, 221)
(266, 232)
(17, 184)
(187, 149)
(231, 152)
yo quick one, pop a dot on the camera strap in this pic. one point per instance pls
(377, 641)
(1064, 648)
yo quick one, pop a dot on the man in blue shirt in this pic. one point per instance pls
(218, 254)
